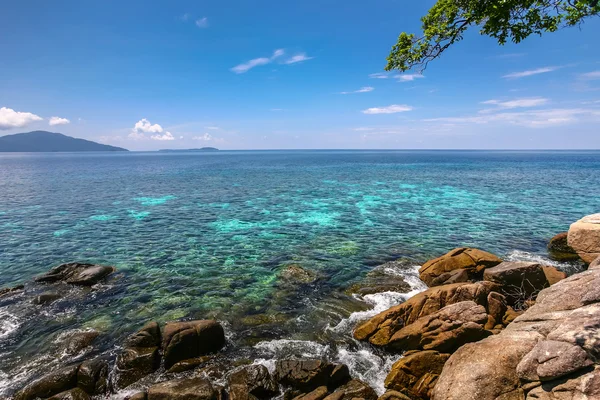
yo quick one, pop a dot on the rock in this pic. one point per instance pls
(54, 383)
(595, 264)
(393, 395)
(550, 360)
(92, 376)
(447, 278)
(377, 281)
(548, 351)
(77, 274)
(554, 275)
(474, 261)
(73, 394)
(295, 274)
(183, 389)
(356, 389)
(189, 364)
(416, 373)
(380, 329)
(497, 307)
(584, 237)
(318, 394)
(510, 315)
(148, 336)
(445, 330)
(253, 380)
(560, 250)
(520, 280)
(46, 298)
(191, 339)
(138, 396)
(307, 375)
(134, 363)
(11, 291)
(76, 341)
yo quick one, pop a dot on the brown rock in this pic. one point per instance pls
(584, 387)
(416, 373)
(191, 339)
(92, 376)
(380, 329)
(138, 396)
(189, 364)
(520, 280)
(54, 383)
(445, 330)
(253, 380)
(134, 363)
(11, 290)
(307, 375)
(510, 315)
(595, 264)
(77, 274)
(554, 275)
(318, 394)
(550, 360)
(148, 336)
(448, 278)
(560, 250)
(183, 389)
(77, 341)
(584, 237)
(474, 261)
(73, 394)
(393, 395)
(356, 389)
(497, 307)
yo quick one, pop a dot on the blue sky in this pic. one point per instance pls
(285, 74)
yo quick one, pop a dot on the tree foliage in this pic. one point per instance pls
(505, 20)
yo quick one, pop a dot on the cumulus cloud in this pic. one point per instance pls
(298, 58)
(164, 136)
(523, 74)
(247, 66)
(202, 22)
(206, 137)
(393, 109)
(58, 121)
(145, 126)
(365, 89)
(10, 118)
(408, 77)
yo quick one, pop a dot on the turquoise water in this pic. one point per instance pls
(206, 235)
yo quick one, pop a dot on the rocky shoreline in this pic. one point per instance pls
(485, 329)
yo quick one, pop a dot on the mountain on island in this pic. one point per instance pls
(42, 141)
(191, 150)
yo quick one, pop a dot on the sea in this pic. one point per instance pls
(208, 234)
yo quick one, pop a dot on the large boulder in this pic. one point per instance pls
(416, 373)
(380, 329)
(559, 248)
(140, 356)
(49, 385)
(545, 353)
(191, 339)
(77, 274)
(252, 380)
(520, 280)
(445, 330)
(183, 389)
(307, 375)
(584, 237)
(474, 261)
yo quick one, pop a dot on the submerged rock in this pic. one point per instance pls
(584, 237)
(77, 274)
(295, 274)
(378, 281)
(559, 248)
(474, 261)
(46, 298)
(191, 339)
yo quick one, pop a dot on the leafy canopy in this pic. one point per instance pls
(504, 20)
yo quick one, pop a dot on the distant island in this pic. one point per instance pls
(42, 141)
(190, 150)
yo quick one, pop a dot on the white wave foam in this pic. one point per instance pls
(9, 323)
(519, 255)
(283, 348)
(367, 366)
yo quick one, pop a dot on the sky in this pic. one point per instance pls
(291, 74)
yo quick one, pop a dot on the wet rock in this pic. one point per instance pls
(357, 389)
(77, 274)
(46, 298)
(189, 364)
(520, 280)
(76, 341)
(92, 376)
(191, 339)
(377, 281)
(54, 383)
(148, 336)
(559, 248)
(307, 375)
(11, 291)
(550, 360)
(393, 395)
(73, 394)
(554, 275)
(318, 394)
(416, 373)
(474, 261)
(183, 389)
(138, 396)
(252, 380)
(295, 274)
(448, 278)
(445, 330)
(584, 237)
(135, 363)
(380, 329)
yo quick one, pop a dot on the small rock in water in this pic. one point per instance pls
(191, 339)
(559, 248)
(46, 298)
(76, 341)
(295, 274)
(49, 385)
(10, 291)
(377, 281)
(77, 274)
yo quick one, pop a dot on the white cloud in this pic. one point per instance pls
(202, 22)
(145, 126)
(10, 118)
(394, 108)
(206, 137)
(58, 121)
(408, 77)
(516, 75)
(379, 75)
(365, 89)
(363, 129)
(591, 75)
(247, 66)
(518, 103)
(298, 58)
(165, 136)
(212, 128)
